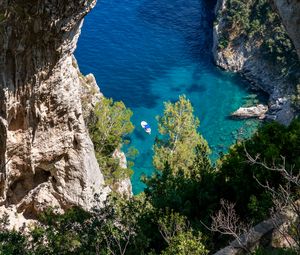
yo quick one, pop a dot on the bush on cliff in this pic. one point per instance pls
(109, 125)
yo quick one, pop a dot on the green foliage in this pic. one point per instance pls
(179, 138)
(233, 179)
(223, 42)
(112, 229)
(181, 157)
(259, 206)
(130, 156)
(171, 224)
(235, 175)
(179, 236)
(13, 243)
(186, 243)
(108, 127)
(110, 124)
(296, 97)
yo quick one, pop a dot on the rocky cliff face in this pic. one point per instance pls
(236, 49)
(290, 15)
(46, 155)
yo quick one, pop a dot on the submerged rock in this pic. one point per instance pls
(258, 111)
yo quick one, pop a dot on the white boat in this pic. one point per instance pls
(146, 127)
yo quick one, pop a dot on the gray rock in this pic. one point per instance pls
(123, 186)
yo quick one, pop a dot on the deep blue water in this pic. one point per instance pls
(145, 52)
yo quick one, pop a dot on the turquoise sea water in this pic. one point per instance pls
(145, 52)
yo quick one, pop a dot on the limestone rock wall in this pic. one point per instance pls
(46, 155)
(90, 96)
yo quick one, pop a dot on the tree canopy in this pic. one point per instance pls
(178, 141)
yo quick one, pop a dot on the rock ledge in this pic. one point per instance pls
(258, 111)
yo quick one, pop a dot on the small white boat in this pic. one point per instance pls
(146, 127)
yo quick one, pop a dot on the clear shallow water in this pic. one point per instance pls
(145, 52)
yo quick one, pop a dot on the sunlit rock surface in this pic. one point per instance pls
(46, 155)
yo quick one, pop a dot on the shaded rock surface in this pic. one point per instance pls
(90, 95)
(290, 14)
(46, 155)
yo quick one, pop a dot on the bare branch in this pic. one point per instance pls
(227, 222)
(285, 200)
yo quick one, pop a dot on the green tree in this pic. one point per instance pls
(109, 125)
(180, 177)
(13, 243)
(186, 243)
(179, 138)
(180, 237)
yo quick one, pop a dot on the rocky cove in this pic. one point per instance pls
(64, 176)
(46, 154)
(244, 54)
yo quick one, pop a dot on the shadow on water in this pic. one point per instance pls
(196, 88)
(139, 134)
(135, 91)
(193, 19)
(178, 88)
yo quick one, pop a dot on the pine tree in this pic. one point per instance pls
(179, 143)
(109, 125)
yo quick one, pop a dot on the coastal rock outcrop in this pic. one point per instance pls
(46, 155)
(244, 46)
(258, 111)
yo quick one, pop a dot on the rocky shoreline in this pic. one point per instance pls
(244, 57)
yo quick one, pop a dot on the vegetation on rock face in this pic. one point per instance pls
(109, 125)
(257, 22)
